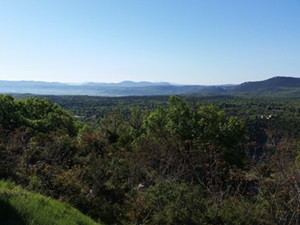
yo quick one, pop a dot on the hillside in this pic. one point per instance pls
(20, 207)
(150, 160)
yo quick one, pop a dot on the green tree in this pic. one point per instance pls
(194, 136)
(196, 145)
(9, 112)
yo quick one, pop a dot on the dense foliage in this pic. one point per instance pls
(149, 160)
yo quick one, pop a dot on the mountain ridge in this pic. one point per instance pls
(271, 83)
(142, 88)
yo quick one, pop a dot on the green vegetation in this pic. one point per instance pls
(20, 207)
(157, 160)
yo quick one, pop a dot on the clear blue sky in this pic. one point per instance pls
(180, 41)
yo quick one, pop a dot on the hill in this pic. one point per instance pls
(269, 84)
(20, 207)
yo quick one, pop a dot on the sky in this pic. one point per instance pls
(178, 41)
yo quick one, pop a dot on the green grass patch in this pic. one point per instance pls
(20, 207)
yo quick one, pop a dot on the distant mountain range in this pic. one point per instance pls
(128, 83)
(130, 88)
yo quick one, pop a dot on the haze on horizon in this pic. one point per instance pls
(185, 42)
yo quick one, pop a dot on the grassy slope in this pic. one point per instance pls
(20, 207)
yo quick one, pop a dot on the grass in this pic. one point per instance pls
(20, 207)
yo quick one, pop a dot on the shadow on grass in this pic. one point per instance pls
(9, 215)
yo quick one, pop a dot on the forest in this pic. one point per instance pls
(201, 159)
